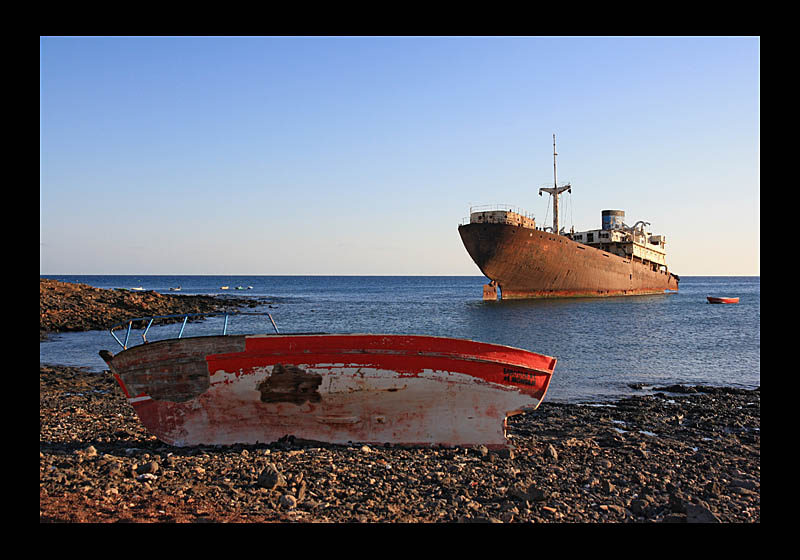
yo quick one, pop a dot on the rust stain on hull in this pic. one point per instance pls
(398, 389)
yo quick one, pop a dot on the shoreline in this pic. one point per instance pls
(69, 307)
(669, 457)
(682, 454)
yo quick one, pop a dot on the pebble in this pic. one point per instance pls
(270, 478)
(288, 501)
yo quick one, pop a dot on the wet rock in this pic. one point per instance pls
(676, 389)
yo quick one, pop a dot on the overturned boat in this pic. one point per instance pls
(407, 390)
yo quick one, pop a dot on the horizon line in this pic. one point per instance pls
(353, 275)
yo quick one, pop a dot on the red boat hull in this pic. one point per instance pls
(397, 389)
(722, 299)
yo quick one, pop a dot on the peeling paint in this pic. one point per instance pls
(289, 383)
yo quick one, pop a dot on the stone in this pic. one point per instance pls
(639, 506)
(149, 467)
(607, 486)
(288, 501)
(696, 513)
(270, 478)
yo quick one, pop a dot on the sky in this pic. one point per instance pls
(361, 155)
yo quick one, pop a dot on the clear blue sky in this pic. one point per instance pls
(360, 155)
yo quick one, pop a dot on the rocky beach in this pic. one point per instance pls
(66, 306)
(678, 454)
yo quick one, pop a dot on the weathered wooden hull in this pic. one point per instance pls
(396, 389)
(528, 263)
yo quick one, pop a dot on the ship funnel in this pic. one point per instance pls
(612, 219)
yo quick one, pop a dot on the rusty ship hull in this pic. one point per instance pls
(368, 388)
(532, 263)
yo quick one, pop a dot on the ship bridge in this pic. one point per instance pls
(634, 243)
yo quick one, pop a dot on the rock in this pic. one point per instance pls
(288, 501)
(301, 491)
(696, 513)
(676, 389)
(639, 506)
(713, 488)
(270, 478)
(149, 467)
(68, 306)
(613, 508)
(505, 453)
(527, 492)
(481, 451)
(747, 484)
(676, 503)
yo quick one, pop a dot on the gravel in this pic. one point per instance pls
(673, 455)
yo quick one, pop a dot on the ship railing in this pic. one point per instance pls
(185, 316)
(501, 207)
(496, 208)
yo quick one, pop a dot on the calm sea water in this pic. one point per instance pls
(603, 345)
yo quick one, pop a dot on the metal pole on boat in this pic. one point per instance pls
(556, 190)
(127, 335)
(144, 334)
(273, 323)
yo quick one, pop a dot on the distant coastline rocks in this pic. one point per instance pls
(66, 306)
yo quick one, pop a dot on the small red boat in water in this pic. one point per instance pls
(722, 299)
(334, 388)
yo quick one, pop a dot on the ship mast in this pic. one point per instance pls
(556, 190)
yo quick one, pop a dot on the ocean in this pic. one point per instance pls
(606, 348)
